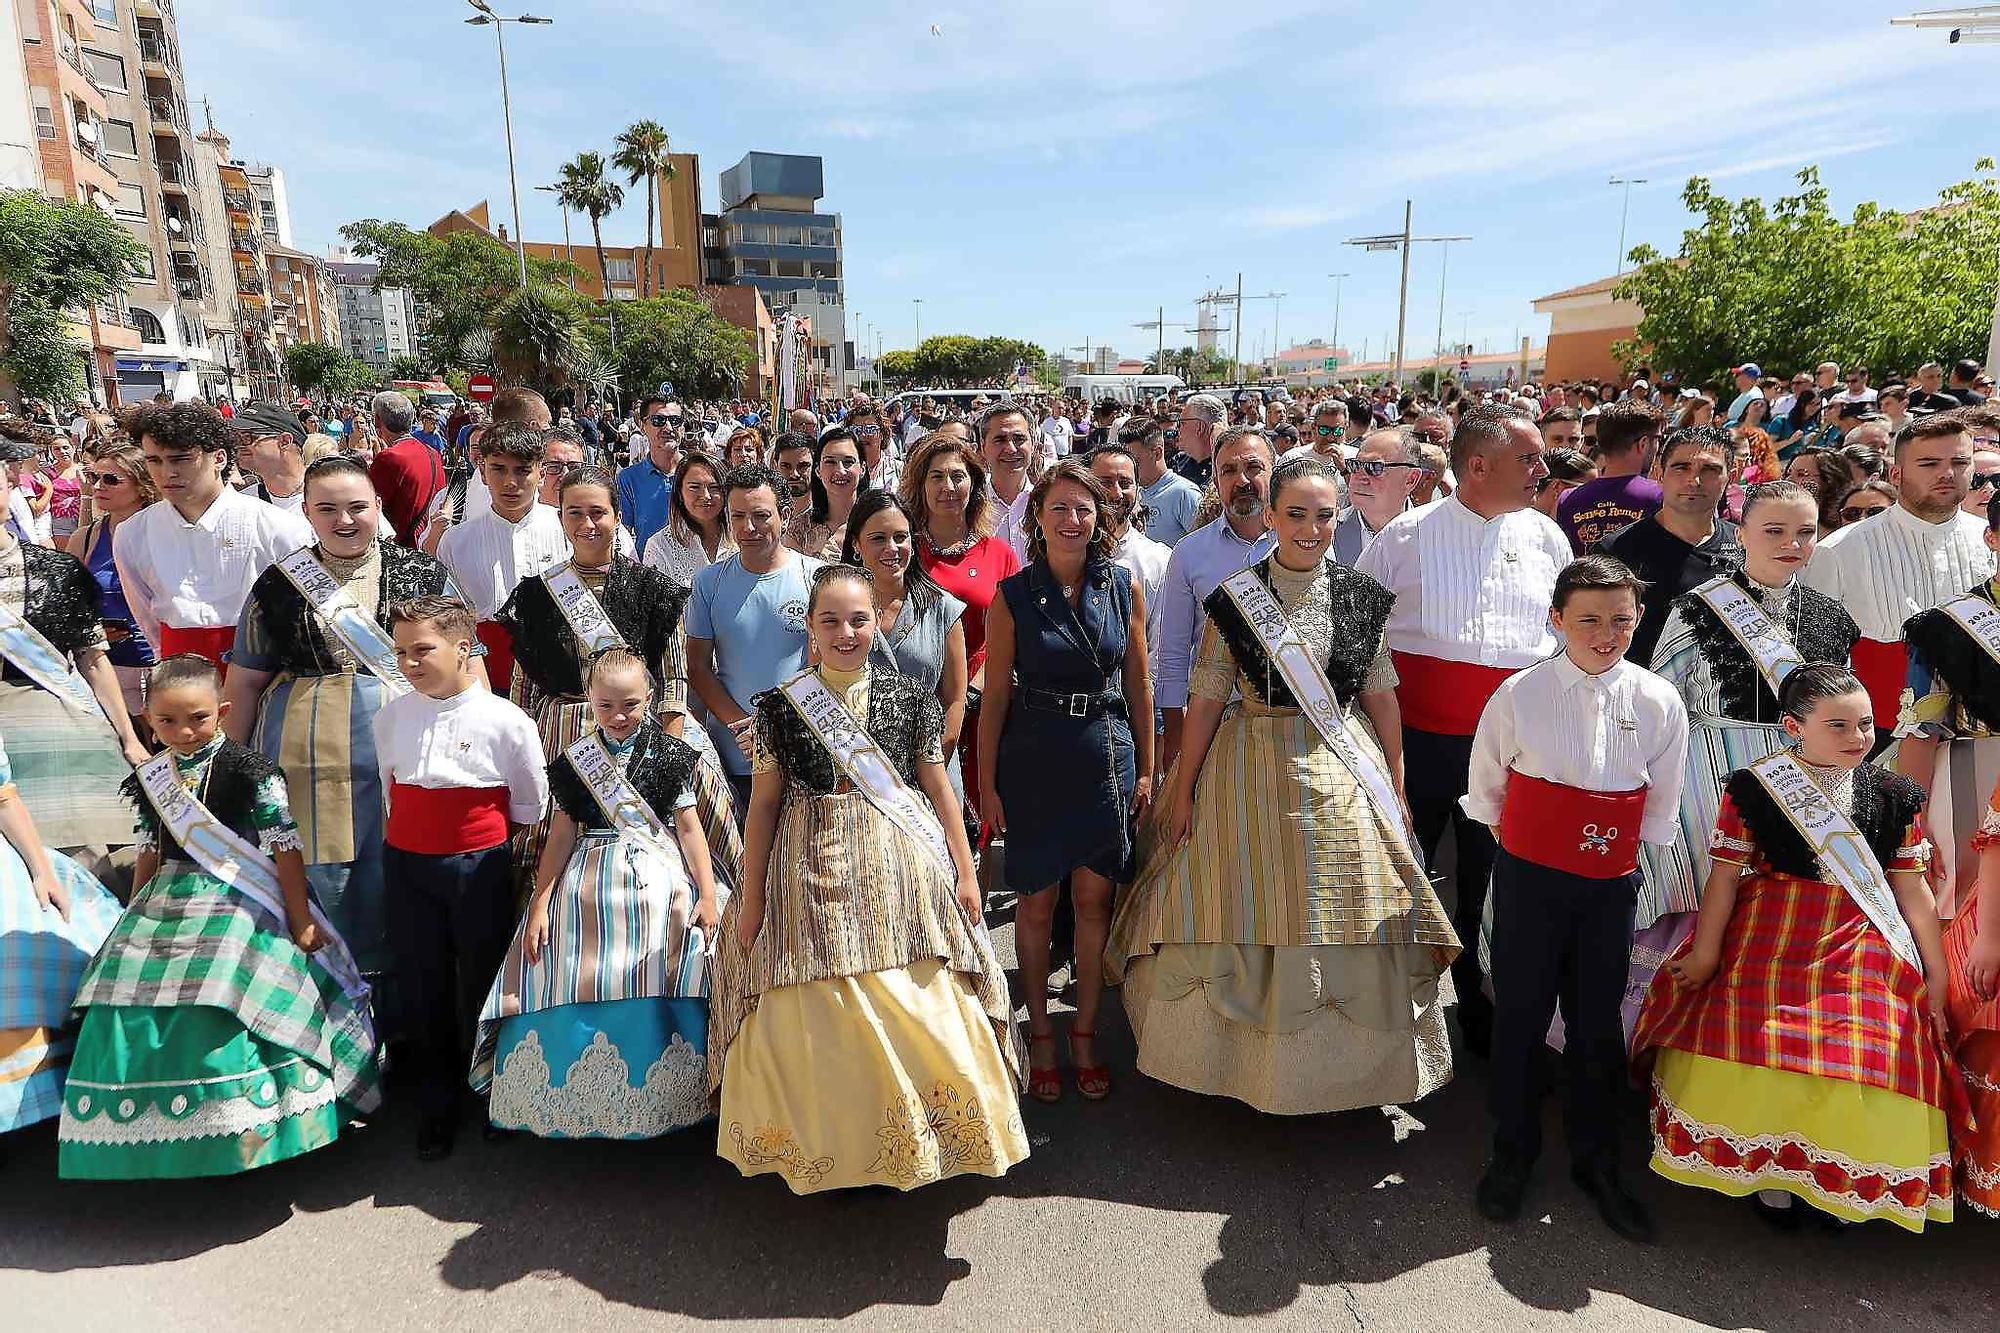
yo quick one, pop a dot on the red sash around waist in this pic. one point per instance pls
(1882, 668)
(499, 654)
(1442, 697)
(210, 641)
(444, 821)
(1592, 834)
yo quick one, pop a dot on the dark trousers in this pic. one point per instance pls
(1436, 773)
(1559, 939)
(450, 921)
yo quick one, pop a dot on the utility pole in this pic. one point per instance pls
(1404, 241)
(1274, 298)
(1624, 210)
(1337, 279)
(1237, 358)
(918, 302)
(482, 18)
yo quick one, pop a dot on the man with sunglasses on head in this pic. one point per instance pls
(1381, 478)
(646, 488)
(1622, 492)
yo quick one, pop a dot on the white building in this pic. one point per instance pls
(20, 164)
(274, 213)
(377, 326)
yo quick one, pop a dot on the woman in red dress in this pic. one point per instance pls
(944, 490)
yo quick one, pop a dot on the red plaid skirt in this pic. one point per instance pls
(1975, 1037)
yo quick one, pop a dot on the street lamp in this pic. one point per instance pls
(1977, 23)
(918, 302)
(569, 253)
(1624, 210)
(499, 22)
(1404, 241)
(1337, 279)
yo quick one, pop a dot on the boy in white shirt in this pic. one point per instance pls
(464, 770)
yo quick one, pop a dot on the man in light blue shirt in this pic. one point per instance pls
(646, 487)
(1170, 498)
(1747, 376)
(1208, 555)
(746, 619)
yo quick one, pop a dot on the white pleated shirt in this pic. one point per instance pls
(1887, 568)
(197, 575)
(488, 556)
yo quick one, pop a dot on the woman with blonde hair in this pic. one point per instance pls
(119, 486)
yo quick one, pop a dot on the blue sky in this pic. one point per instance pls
(1057, 171)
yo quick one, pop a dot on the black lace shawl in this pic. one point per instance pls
(1826, 633)
(661, 767)
(904, 718)
(1884, 805)
(643, 605)
(63, 600)
(298, 642)
(1360, 607)
(234, 774)
(1957, 659)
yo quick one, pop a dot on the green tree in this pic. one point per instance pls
(641, 153)
(679, 338)
(583, 188)
(459, 279)
(54, 256)
(1789, 284)
(308, 364)
(896, 367)
(409, 367)
(539, 334)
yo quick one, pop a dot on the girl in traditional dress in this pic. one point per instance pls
(69, 737)
(861, 1031)
(1282, 944)
(225, 1026)
(1058, 756)
(611, 601)
(1796, 1039)
(597, 1024)
(1972, 950)
(305, 696)
(1948, 729)
(1727, 678)
(54, 916)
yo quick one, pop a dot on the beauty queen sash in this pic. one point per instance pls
(1842, 851)
(582, 611)
(223, 853)
(45, 664)
(1773, 654)
(1978, 618)
(1307, 681)
(628, 814)
(864, 765)
(342, 617)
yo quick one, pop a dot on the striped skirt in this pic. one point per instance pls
(321, 731)
(42, 958)
(67, 766)
(605, 1036)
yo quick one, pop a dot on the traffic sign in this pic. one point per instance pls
(1463, 365)
(479, 388)
(1331, 363)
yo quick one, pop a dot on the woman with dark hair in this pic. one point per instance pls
(597, 599)
(1317, 974)
(119, 487)
(838, 479)
(920, 628)
(1567, 470)
(307, 676)
(1837, 476)
(697, 534)
(1796, 1041)
(1788, 427)
(1059, 759)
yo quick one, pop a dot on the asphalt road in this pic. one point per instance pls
(1155, 1209)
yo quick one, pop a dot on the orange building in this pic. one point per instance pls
(1584, 322)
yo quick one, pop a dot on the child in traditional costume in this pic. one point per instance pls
(597, 1024)
(1972, 951)
(1577, 760)
(464, 771)
(54, 916)
(1796, 1041)
(225, 1025)
(861, 1032)
(1282, 944)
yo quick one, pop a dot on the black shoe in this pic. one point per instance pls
(1615, 1204)
(1502, 1187)
(1788, 1217)
(435, 1138)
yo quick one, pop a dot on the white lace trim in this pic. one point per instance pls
(1979, 1081)
(597, 1099)
(87, 1119)
(1939, 1206)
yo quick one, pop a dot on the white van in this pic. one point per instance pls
(1130, 390)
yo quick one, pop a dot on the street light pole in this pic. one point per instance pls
(918, 302)
(569, 251)
(1337, 278)
(1404, 241)
(1624, 211)
(499, 22)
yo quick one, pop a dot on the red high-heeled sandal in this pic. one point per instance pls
(1044, 1085)
(1093, 1082)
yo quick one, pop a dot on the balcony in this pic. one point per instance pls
(174, 174)
(157, 55)
(169, 117)
(246, 241)
(249, 281)
(191, 288)
(238, 201)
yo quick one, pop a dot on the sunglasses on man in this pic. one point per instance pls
(1428, 436)
(1375, 467)
(664, 421)
(1330, 432)
(1981, 480)
(1855, 513)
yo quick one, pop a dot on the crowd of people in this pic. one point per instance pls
(598, 776)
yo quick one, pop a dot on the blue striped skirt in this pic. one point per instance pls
(42, 959)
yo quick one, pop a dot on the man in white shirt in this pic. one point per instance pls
(1857, 390)
(1170, 500)
(1241, 536)
(1006, 442)
(1473, 576)
(1380, 480)
(1054, 433)
(1146, 559)
(1923, 552)
(517, 537)
(186, 562)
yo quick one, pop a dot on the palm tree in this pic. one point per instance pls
(583, 188)
(642, 155)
